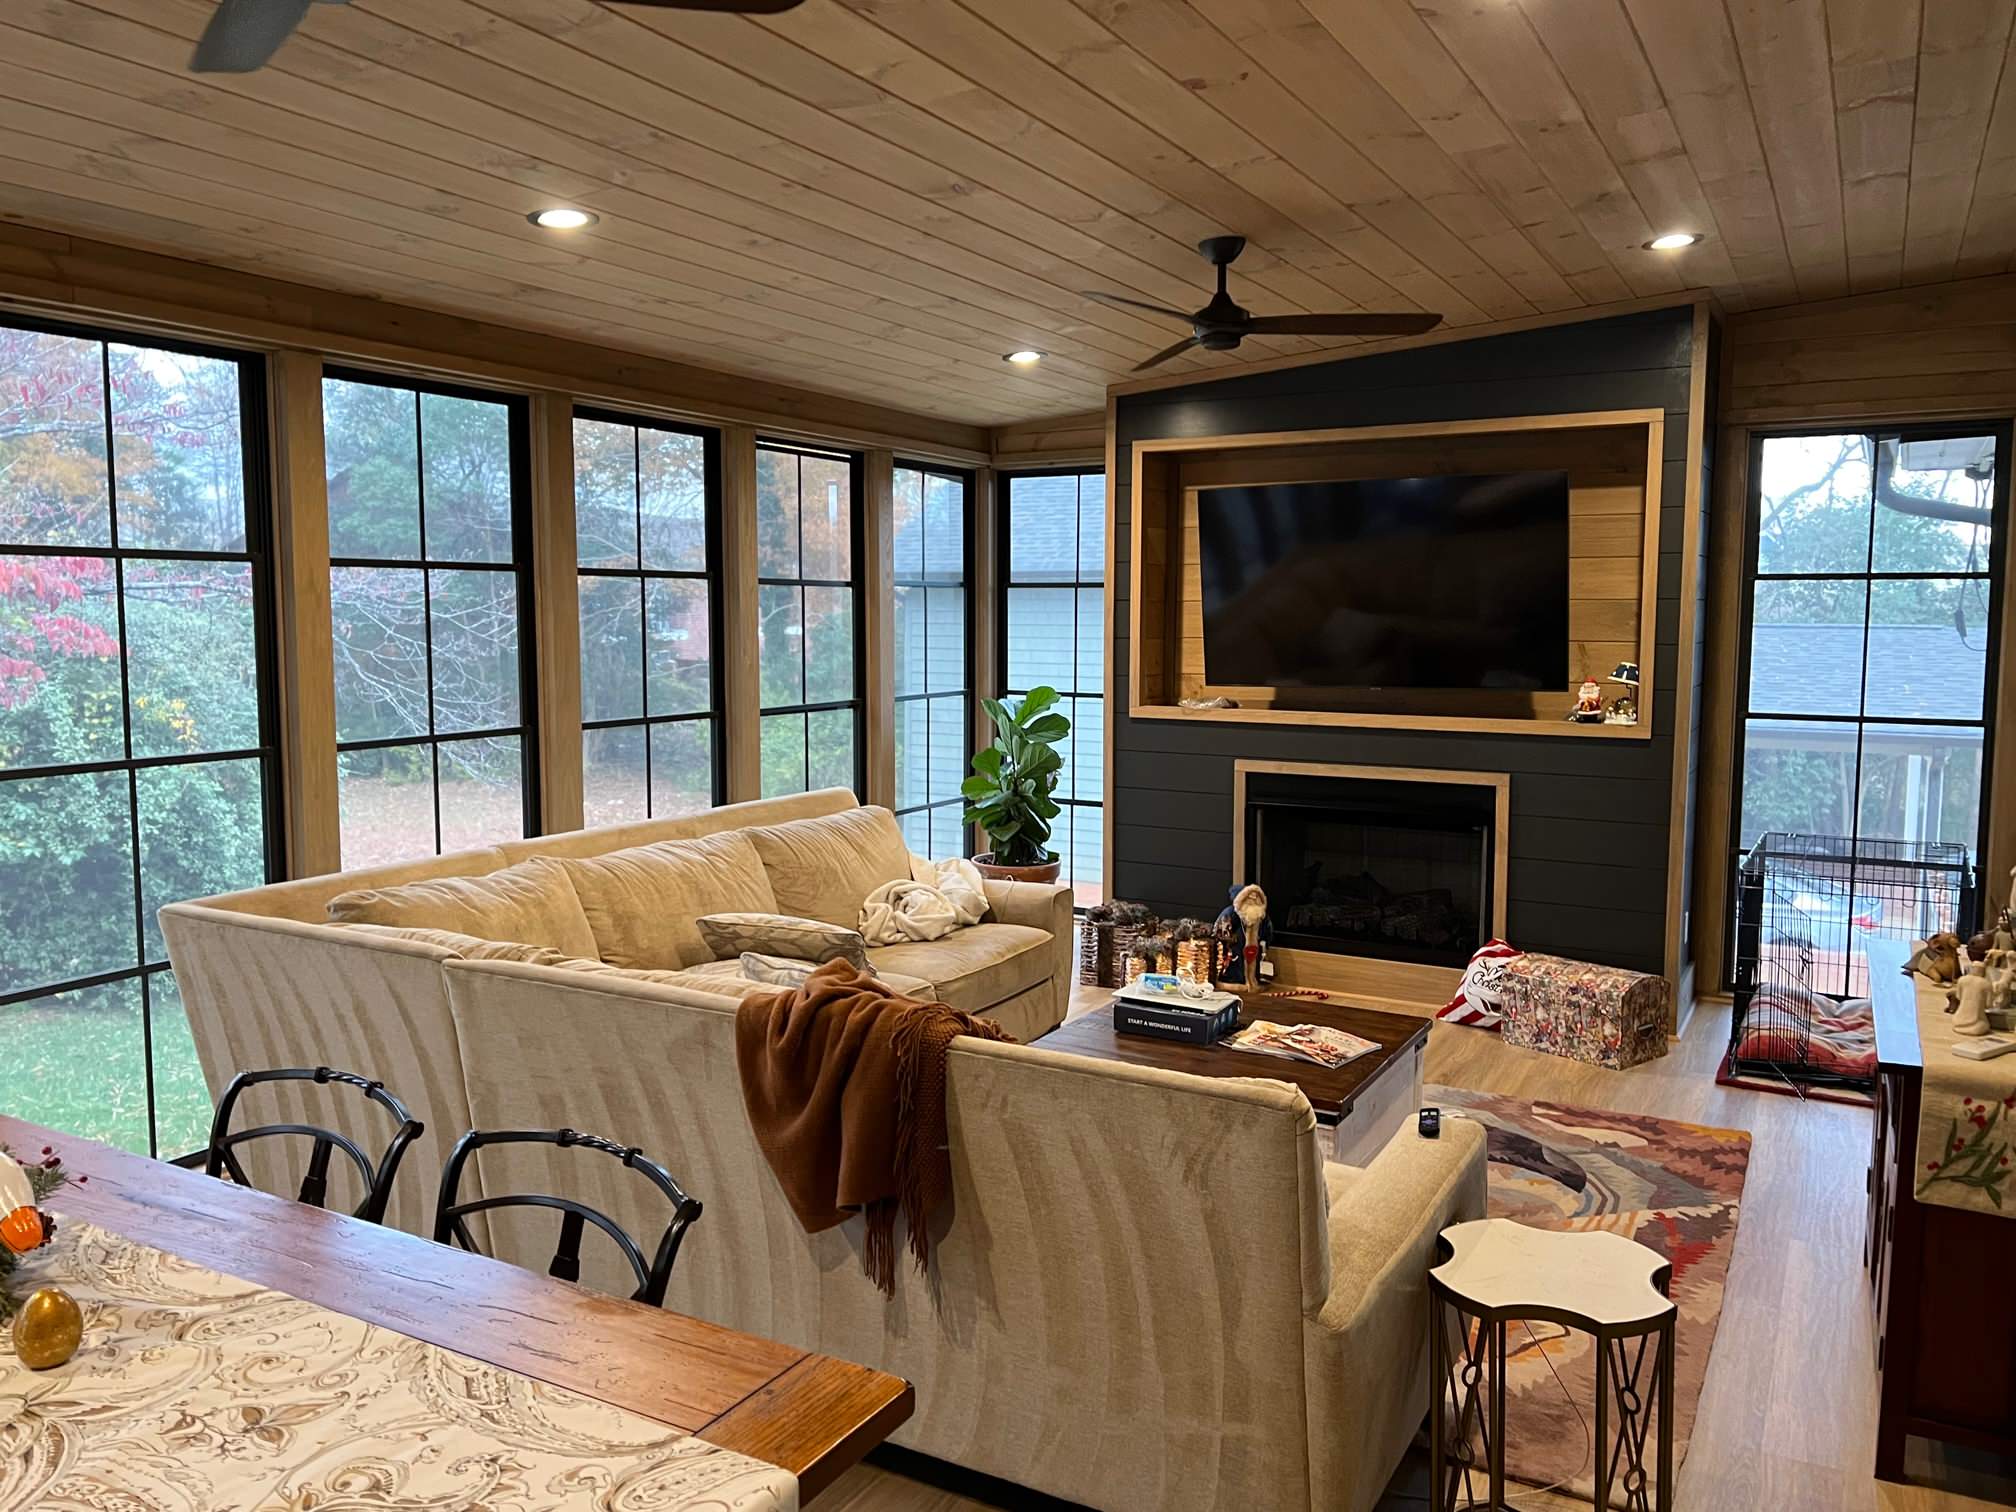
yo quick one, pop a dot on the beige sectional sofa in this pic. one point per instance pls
(1148, 1291)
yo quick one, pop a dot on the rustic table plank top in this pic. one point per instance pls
(1330, 1093)
(813, 1415)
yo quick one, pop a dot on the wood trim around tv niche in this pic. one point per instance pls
(1397, 986)
(1614, 459)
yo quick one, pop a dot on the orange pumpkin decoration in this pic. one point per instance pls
(23, 1230)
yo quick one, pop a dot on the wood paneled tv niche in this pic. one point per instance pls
(1613, 461)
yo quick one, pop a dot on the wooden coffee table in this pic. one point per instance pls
(1365, 1101)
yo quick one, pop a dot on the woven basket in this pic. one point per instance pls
(1102, 951)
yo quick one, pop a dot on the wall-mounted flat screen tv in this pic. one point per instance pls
(1457, 581)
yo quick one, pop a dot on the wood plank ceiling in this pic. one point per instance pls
(881, 197)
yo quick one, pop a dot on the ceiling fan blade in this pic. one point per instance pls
(734, 7)
(243, 34)
(1166, 353)
(1123, 302)
(1341, 325)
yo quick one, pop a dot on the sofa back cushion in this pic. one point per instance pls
(823, 868)
(642, 903)
(532, 903)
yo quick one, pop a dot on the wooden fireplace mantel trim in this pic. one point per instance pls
(1619, 597)
(1401, 986)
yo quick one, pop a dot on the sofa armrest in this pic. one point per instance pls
(1382, 1232)
(1047, 906)
(1366, 1345)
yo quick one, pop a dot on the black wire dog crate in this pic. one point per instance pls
(1806, 906)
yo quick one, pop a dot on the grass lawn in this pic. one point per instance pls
(77, 1062)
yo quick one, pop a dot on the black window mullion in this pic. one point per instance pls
(127, 764)
(126, 728)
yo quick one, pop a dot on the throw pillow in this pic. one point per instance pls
(1479, 1000)
(532, 902)
(730, 935)
(641, 902)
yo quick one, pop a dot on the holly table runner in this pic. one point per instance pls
(1966, 1118)
(194, 1390)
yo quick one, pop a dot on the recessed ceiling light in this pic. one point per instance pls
(1672, 241)
(563, 218)
(1024, 358)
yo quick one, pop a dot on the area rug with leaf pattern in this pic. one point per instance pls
(1674, 1186)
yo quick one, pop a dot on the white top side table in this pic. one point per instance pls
(1494, 1272)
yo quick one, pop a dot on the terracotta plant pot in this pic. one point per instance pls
(1047, 872)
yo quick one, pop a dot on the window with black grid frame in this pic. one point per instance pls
(430, 600)
(1871, 600)
(932, 508)
(646, 521)
(138, 760)
(808, 536)
(1053, 612)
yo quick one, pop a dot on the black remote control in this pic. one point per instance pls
(1431, 1123)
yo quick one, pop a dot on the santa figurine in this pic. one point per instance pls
(1244, 923)
(1588, 703)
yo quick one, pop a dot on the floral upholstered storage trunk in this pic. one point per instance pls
(1599, 1014)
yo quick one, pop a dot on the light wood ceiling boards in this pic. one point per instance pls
(881, 197)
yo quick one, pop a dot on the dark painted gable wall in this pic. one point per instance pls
(1589, 818)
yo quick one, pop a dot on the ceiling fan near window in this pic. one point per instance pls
(243, 35)
(1222, 324)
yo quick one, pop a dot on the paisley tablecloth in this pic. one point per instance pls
(195, 1392)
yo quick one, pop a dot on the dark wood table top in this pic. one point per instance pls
(1330, 1093)
(812, 1414)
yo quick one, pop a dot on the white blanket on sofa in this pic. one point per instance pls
(937, 898)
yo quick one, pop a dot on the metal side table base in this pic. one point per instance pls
(1493, 1273)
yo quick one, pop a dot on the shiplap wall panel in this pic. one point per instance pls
(1584, 880)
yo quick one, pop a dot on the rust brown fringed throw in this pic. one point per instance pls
(844, 1082)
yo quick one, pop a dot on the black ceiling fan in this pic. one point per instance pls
(243, 35)
(1222, 324)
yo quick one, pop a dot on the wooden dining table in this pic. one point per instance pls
(810, 1414)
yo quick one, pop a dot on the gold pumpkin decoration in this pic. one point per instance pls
(48, 1328)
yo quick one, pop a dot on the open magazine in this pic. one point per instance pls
(1329, 1048)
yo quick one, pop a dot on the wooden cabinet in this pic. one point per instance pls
(1945, 1316)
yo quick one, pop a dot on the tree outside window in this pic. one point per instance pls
(428, 590)
(135, 742)
(808, 649)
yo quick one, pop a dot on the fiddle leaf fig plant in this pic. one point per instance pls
(1008, 794)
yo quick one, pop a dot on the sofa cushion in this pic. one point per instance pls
(1338, 1180)
(731, 977)
(468, 947)
(729, 935)
(533, 903)
(825, 868)
(642, 903)
(972, 968)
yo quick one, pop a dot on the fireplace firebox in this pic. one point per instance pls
(1393, 870)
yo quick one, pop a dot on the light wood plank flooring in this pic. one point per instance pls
(1787, 1415)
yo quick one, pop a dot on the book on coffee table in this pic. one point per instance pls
(1329, 1048)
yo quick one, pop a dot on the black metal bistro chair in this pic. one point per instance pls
(451, 1225)
(220, 1158)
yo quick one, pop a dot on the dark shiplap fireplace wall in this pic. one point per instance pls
(1590, 820)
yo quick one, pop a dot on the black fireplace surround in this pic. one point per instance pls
(1396, 870)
